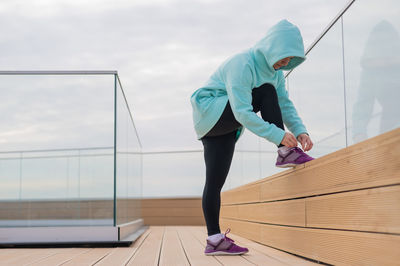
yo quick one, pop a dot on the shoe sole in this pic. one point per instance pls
(224, 253)
(287, 165)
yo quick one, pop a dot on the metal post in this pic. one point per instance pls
(115, 150)
(344, 86)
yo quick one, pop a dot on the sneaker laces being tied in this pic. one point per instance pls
(302, 153)
(229, 239)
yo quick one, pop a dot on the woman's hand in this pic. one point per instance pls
(289, 140)
(305, 141)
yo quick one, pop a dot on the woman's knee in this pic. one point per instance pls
(266, 90)
(264, 95)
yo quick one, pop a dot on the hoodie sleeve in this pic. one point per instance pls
(289, 114)
(238, 79)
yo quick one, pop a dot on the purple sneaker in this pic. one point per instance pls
(224, 247)
(293, 157)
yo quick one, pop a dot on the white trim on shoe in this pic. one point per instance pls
(224, 253)
(288, 165)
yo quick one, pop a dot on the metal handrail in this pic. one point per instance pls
(325, 31)
(108, 148)
(55, 150)
(129, 110)
(199, 150)
(58, 72)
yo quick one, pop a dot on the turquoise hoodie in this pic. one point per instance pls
(235, 79)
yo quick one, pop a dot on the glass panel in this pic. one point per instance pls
(372, 42)
(47, 112)
(179, 174)
(268, 159)
(56, 158)
(245, 164)
(235, 176)
(129, 164)
(317, 91)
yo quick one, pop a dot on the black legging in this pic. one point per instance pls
(219, 145)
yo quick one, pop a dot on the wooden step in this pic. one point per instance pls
(375, 210)
(288, 212)
(372, 163)
(343, 208)
(336, 247)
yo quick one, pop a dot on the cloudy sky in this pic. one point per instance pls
(163, 49)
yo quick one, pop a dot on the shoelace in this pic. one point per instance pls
(226, 232)
(302, 153)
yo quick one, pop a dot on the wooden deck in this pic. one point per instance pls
(159, 245)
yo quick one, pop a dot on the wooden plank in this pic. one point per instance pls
(172, 211)
(149, 252)
(330, 246)
(375, 210)
(177, 220)
(8, 253)
(244, 194)
(252, 232)
(229, 211)
(121, 255)
(60, 257)
(254, 256)
(361, 147)
(172, 252)
(89, 258)
(27, 256)
(171, 202)
(230, 197)
(288, 212)
(277, 175)
(194, 250)
(224, 260)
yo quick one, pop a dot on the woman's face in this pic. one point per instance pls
(284, 62)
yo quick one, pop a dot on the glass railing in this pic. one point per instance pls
(171, 174)
(70, 154)
(371, 36)
(128, 161)
(345, 92)
(56, 187)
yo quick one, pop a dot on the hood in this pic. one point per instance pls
(282, 40)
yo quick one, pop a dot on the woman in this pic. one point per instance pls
(246, 83)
